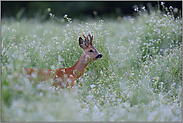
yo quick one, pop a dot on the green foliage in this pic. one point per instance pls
(139, 77)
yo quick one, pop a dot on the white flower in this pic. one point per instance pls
(53, 67)
(50, 14)
(170, 7)
(162, 3)
(92, 86)
(136, 8)
(65, 16)
(144, 8)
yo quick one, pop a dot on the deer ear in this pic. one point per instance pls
(81, 43)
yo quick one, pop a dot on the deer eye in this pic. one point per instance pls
(90, 51)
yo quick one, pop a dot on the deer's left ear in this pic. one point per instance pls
(81, 43)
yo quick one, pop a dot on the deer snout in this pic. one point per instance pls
(99, 56)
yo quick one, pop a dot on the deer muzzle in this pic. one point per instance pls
(99, 56)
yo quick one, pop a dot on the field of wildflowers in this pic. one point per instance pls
(139, 77)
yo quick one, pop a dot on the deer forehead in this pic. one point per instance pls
(91, 47)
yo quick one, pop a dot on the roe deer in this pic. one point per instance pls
(65, 77)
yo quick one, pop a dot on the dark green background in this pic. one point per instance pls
(75, 9)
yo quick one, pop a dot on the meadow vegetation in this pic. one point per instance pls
(139, 77)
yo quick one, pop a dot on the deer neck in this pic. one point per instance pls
(80, 65)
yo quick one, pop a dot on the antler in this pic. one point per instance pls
(86, 39)
(91, 38)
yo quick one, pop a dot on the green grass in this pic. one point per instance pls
(139, 77)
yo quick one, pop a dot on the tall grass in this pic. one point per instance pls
(139, 77)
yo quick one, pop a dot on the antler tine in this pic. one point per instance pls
(86, 39)
(84, 35)
(91, 38)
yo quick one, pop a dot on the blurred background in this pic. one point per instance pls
(74, 9)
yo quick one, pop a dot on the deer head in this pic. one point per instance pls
(88, 49)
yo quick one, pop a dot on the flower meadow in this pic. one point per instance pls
(139, 77)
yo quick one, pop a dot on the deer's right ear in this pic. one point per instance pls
(81, 43)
